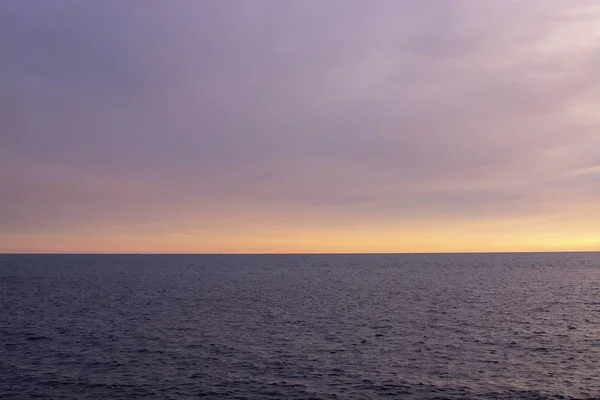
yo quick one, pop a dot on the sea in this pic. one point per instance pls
(339, 326)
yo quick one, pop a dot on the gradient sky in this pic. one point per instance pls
(299, 125)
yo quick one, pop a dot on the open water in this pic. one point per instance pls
(439, 326)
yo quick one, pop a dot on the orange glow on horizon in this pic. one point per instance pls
(414, 238)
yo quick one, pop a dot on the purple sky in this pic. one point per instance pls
(308, 125)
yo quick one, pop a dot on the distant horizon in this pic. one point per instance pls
(276, 254)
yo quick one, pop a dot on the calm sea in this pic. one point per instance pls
(461, 326)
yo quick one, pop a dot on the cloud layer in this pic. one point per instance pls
(299, 125)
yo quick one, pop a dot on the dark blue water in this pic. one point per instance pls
(495, 326)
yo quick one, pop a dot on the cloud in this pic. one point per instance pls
(338, 110)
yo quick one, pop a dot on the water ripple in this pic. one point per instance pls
(496, 326)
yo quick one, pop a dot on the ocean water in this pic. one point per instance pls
(439, 326)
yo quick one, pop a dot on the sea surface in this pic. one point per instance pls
(381, 326)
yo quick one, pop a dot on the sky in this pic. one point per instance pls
(283, 126)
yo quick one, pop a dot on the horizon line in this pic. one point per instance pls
(296, 253)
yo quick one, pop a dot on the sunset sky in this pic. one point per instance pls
(277, 126)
